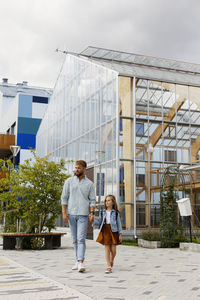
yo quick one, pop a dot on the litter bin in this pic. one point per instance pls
(184, 206)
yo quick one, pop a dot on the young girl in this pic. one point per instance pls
(110, 230)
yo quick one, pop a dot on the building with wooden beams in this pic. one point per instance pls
(130, 117)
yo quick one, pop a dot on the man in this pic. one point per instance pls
(78, 201)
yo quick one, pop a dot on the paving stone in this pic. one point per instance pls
(181, 280)
(117, 287)
(147, 293)
(159, 274)
(34, 286)
(195, 288)
(109, 298)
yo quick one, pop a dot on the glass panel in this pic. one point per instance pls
(80, 121)
(167, 134)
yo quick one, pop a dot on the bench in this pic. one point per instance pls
(22, 240)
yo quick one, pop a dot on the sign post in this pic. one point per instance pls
(14, 149)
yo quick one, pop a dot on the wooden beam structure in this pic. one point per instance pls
(126, 109)
(195, 186)
(125, 93)
(154, 138)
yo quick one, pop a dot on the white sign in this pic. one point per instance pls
(184, 206)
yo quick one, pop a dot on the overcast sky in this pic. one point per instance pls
(31, 30)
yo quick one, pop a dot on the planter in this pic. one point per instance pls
(190, 247)
(23, 240)
(149, 244)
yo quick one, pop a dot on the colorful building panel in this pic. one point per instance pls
(21, 110)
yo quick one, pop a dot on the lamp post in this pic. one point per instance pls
(150, 150)
(14, 149)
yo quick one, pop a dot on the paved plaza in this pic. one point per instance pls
(160, 274)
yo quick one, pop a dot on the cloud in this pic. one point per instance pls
(32, 30)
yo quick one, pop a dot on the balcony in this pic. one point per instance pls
(6, 140)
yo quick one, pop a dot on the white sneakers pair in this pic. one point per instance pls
(79, 266)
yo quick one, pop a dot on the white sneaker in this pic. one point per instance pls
(75, 267)
(81, 267)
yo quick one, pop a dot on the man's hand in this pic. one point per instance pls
(65, 217)
(64, 213)
(91, 217)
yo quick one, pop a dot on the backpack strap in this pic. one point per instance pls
(116, 215)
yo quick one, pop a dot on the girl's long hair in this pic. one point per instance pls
(115, 207)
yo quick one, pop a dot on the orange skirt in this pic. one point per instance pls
(107, 237)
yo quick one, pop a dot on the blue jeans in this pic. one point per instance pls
(78, 226)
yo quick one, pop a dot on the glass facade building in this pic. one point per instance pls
(130, 117)
(81, 120)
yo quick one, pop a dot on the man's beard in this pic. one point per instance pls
(79, 174)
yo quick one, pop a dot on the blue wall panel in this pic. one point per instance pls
(26, 140)
(28, 125)
(25, 106)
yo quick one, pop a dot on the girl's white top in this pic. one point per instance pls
(108, 217)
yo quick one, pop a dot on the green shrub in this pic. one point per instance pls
(151, 235)
(172, 242)
(171, 229)
(37, 243)
(196, 240)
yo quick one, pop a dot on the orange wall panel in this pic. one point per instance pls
(6, 140)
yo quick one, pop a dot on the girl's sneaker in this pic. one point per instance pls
(108, 270)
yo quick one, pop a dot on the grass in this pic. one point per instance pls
(129, 243)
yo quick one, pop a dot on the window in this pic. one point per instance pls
(139, 129)
(172, 131)
(40, 99)
(140, 179)
(170, 155)
(121, 174)
(197, 175)
(120, 126)
(140, 153)
(198, 157)
(192, 140)
(13, 128)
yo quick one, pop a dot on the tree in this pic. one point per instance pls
(171, 230)
(35, 191)
(9, 207)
